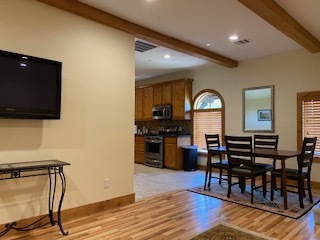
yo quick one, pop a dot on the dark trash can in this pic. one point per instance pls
(190, 155)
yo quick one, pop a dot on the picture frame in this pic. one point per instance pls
(264, 115)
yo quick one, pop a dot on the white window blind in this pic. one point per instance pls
(206, 122)
(311, 119)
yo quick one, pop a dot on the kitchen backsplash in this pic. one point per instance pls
(153, 126)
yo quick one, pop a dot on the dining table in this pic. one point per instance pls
(281, 155)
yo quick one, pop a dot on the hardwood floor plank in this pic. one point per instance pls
(175, 215)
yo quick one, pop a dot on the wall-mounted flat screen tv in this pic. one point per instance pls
(30, 87)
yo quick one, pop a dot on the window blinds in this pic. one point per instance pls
(311, 119)
(206, 122)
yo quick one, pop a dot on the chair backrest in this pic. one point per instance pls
(212, 140)
(239, 150)
(307, 152)
(265, 141)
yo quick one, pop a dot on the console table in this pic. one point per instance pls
(52, 168)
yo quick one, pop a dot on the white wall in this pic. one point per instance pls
(95, 133)
(291, 72)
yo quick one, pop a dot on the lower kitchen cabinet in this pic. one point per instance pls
(139, 149)
(173, 157)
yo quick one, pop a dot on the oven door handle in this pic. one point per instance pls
(153, 141)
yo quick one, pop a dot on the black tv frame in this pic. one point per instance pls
(14, 112)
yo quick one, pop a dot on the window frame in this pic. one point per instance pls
(300, 97)
(222, 110)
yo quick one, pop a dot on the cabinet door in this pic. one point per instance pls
(166, 94)
(170, 154)
(157, 95)
(138, 105)
(179, 154)
(178, 100)
(139, 149)
(147, 103)
(138, 157)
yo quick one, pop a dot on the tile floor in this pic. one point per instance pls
(149, 181)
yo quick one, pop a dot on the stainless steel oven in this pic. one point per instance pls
(154, 151)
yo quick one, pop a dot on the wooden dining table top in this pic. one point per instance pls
(262, 152)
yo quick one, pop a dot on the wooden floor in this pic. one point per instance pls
(176, 215)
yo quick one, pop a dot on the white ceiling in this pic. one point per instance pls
(199, 22)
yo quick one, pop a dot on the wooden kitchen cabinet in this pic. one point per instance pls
(173, 155)
(181, 99)
(143, 103)
(157, 95)
(139, 149)
(162, 94)
(178, 93)
(167, 93)
(147, 101)
(138, 104)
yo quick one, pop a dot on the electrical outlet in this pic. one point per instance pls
(106, 183)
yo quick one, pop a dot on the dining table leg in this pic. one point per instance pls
(284, 184)
(207, 171)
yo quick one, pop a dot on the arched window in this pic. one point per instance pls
(309, 119)
(208, 116)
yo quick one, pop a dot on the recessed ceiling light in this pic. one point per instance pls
(167, 56)
(233, 37)
(208, 44)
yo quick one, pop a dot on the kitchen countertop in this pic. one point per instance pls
(167, 135)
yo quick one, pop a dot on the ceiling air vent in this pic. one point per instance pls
(242, 41)
(142, 46)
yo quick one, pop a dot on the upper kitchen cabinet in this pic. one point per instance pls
(138, 104)
(167, 93)
(181, 99)
(177, 93)
(162, 94)
(147, 100)
(157, 95)
(143, 103)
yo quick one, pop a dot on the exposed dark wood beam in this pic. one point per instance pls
(138, 31)
(274, 14)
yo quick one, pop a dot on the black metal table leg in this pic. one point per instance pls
(63, 190)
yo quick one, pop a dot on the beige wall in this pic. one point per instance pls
(291, 72)
(95, 133)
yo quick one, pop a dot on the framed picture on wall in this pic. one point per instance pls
(264, 115)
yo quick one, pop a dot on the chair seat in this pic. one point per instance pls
(290, 173)
(265, 166)
(223, 164)
(247, 170)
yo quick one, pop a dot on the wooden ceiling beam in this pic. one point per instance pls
(138, 31)
(274, 14)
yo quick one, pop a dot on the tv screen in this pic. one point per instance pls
(30, 87)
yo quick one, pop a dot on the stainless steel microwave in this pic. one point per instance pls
(162, 112)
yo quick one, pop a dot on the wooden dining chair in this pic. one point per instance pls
(216, 161)
(299, 175)
(263, 141)
(241, 163)
(266, 142)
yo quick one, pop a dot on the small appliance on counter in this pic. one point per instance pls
(170, 131)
